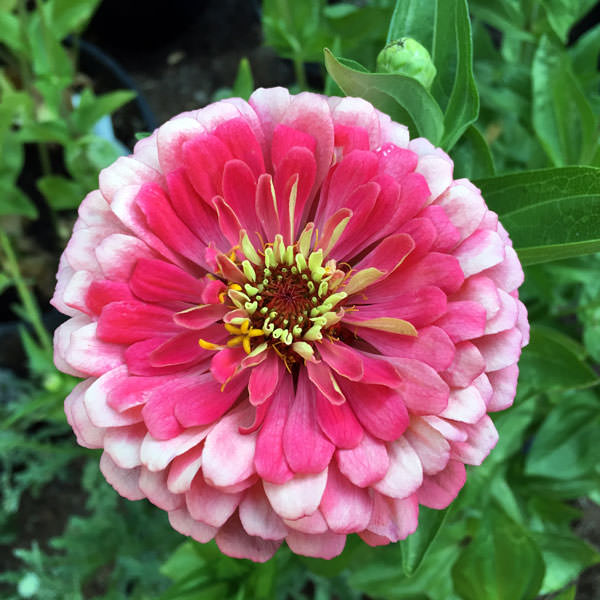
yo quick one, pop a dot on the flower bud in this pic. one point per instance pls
(407, 57)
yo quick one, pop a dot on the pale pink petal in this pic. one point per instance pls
(210, 505)
(258, 518)
(405, 473)
(234, 541)
(320, 545)
(365, 464)
(432, 448)
(125, 481)
(181, 520)
(123, 444)
(154, 487)
(157, 454)
(482, 438)
(298, 497)
(504, 384)
(394, 519)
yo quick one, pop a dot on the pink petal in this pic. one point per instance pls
(482, 438)
(439, 490)
(482, 250)
(500, 349)
(157, 454)
(88, 434)
(504, 383)
(429, 444)
(314, 523)
(228, 456)
(241, 141)
(394, 519)
(346, 508)
(366, 463)
(123, 445)
(432, 346)
(422, 389)
(89, 355)
(118, 254)
(468, 364)
(379, 409)
(465, 404)
(464, 205)
(183, 469)
(463, 321)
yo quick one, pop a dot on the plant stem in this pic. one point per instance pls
(28, 301)
(300, 73)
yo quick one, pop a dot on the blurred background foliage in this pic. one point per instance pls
(516, 103)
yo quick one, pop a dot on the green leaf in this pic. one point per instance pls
(243, 85)
(49, 131)
(91, 108)
(565, 446)
(294, 28)
(501, 563)
(412, 18)
(60, 192)
(10, 32)
(403, 98)
(563, 119)
(472, 156)
(550, 214)
(414, 548)
(86, 156)
(68, 17)
(14, 202)
(568, 594)
(563, 14)
(565, 557)
(553, 362)
(452, 54)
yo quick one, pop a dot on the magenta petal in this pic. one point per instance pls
(338, 423)
(201, 400)
(128, 322)
(320, 374)
(342, 359)
(306, 449)
(159, 281)
(379, 409)
(264, 379)
(200, 317)
(269, 459)
(241, 141)
(225, 363)
(181, 349)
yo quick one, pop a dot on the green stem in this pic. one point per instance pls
(28, 301)
(300, 72)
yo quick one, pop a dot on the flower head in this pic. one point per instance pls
(292, 323)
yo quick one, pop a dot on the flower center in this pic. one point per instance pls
(289, 296)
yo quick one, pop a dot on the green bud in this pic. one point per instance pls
(407, 57)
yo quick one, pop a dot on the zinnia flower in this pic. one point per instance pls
(292, 323)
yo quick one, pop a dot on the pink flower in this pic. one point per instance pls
(292, 323)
